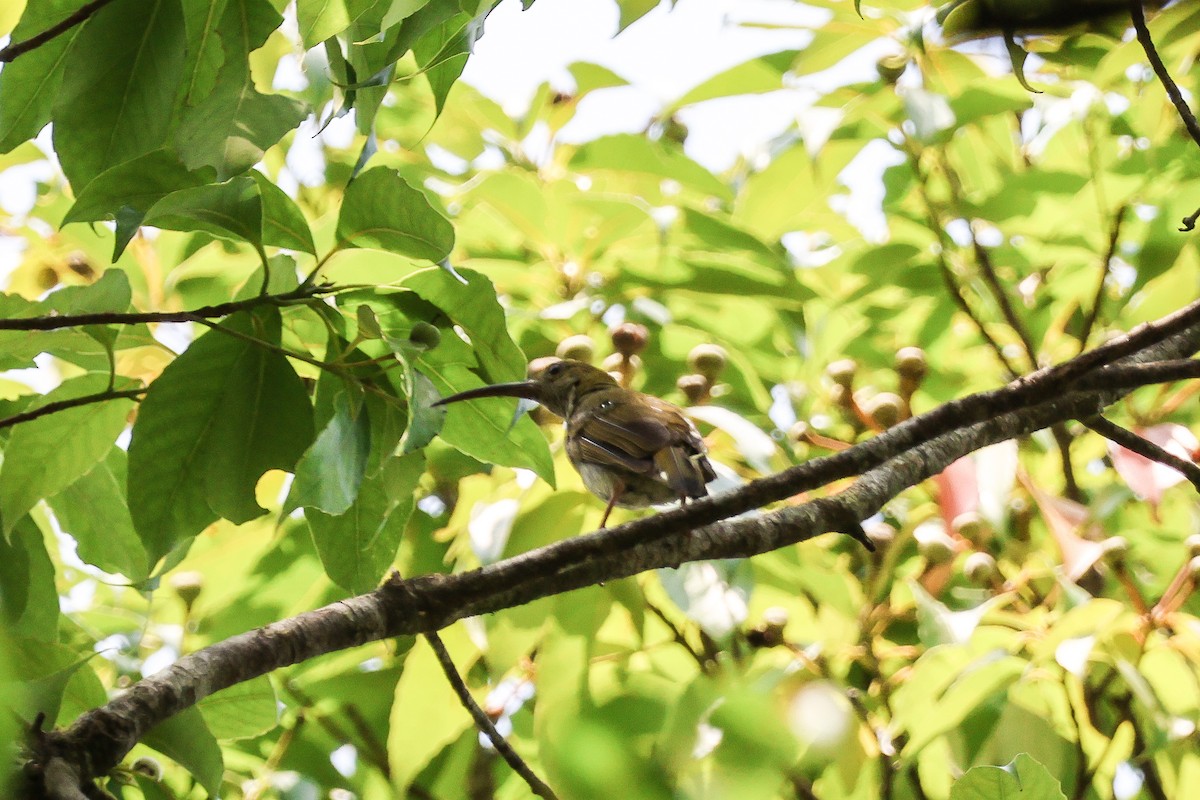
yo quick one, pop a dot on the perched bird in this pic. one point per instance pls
(632, 450)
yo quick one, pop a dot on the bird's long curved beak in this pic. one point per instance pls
(527, 390)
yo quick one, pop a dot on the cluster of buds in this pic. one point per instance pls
(878, 411)
(706, 362)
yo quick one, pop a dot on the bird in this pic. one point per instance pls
(631, 449)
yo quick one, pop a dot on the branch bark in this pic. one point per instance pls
(52, 322)
(886, 465)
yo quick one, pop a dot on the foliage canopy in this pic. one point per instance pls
(240, 301)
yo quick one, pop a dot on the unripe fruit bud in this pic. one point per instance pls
(79, 263)
(890, 68)
(881, 534)
(769, 632)
(621, 367)
(1193, 568)
(187, 586)
(578, 348)
(970, 526)
(425, 335)
(1115, 549)
(1193, 544)
(708, 360)
(886, 409)
(798, 432)
(910, 362)
(934, 544)
(694, 387)
(842, 372)
(149, 767)
(539, 364)
(980, 568)
(629, 338)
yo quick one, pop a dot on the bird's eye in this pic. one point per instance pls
(554, 369)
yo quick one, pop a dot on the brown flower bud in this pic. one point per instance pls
(886, 409)
(694, 387)
(629, 338)
(842, 372)
(708, 360)
(980, 568)
(579, 347)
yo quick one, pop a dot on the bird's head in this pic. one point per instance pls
(557, 386)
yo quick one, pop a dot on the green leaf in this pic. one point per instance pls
(37, 664)
(111, 293)
(94, 511)
(29, 84)
(119, 87)
(633, 10)
(1023, 779)
(136, 184)
(44, 694)
(218, 417)
(47, 454)
(442, 53)
(320, 19)
(759, 75)
(424, 421)
(231, 124)
(330, 472)
(283, 223)
(423, 693)
(475, 307)
(186, 739)
(28, 601)
(359, 546)
(230, 210)
(243, 710)
(632, 153)
(382, 211)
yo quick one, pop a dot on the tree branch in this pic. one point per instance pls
(484, 723)
(886, 465)
(1143, 447)
(63, 405)
(1143, 36)
(33, 42)
(52, 322)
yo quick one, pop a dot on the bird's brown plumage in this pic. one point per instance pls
(632, 450)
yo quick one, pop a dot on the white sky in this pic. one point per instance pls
(663, 56)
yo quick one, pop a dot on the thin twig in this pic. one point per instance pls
(1143, 36)
(33, 42)
(952, 287)
(484, 722)
(677, 634)
(63, 405)
(53, 322)
(1114, 235)
(1143, 447)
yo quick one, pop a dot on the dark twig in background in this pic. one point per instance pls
(33, 42)
(1114, 236)
(57, 321)
(484, 722)
(73, 402)
(1160, 69)
(1143, 447)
